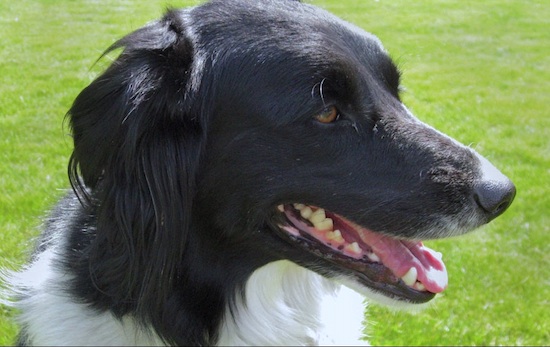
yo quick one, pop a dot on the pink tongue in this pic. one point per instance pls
(399, 256)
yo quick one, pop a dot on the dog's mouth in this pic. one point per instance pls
(400, 269)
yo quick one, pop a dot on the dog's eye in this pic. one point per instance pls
(328, 115)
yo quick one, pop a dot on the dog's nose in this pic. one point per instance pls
(494, 192)
(494, 197)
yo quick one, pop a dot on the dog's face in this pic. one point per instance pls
(284, 126)
(311, 142)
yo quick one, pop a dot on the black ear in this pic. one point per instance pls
(137, 144)
(145, 86)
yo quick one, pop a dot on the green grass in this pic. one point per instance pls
(478, 71)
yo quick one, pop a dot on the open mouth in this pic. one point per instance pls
(397, 268)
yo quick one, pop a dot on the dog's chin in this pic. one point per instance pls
(392, 271)
(377, 297)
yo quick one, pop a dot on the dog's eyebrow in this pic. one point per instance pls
(336, 82)
(321, 91)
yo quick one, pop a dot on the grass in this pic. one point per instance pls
(478, 71)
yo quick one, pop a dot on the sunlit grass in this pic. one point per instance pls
(478, 71)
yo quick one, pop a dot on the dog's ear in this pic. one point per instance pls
(142, 90)
(137, 143)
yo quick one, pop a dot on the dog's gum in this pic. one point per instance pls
(322, 230)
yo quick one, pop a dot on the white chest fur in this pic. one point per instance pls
(284, 305)
(288, 305)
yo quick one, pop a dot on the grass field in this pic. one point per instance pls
(477, 70)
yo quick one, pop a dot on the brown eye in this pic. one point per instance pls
(328, 115)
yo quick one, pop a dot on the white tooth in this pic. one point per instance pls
(373, 257)
(318, 216)
(281, 208)
(410, 277)
(353, 248)
(419, 286)
(299, 206)
(324, 225)
(306, 212)
(335, 236)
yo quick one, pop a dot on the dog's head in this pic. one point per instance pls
(237, 133)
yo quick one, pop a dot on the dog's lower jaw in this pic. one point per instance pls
(286, 304)
(378, 298)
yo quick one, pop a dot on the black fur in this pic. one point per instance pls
(186, 144)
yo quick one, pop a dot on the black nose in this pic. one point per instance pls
(494, 196)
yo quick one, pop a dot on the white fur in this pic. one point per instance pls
(53, 318)
(285, 304)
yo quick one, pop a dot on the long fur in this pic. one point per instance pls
(186, 150)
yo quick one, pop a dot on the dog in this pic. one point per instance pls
(244, 172)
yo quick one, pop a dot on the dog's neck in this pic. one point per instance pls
(285, 304)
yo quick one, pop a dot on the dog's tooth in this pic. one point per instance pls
(324, 225)
(419, 286)
(353, 248)
(317, 216)
(373, 257)
(281, 208)
(335, 236)
(299, 206)
(410, 277)
(306, 212)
